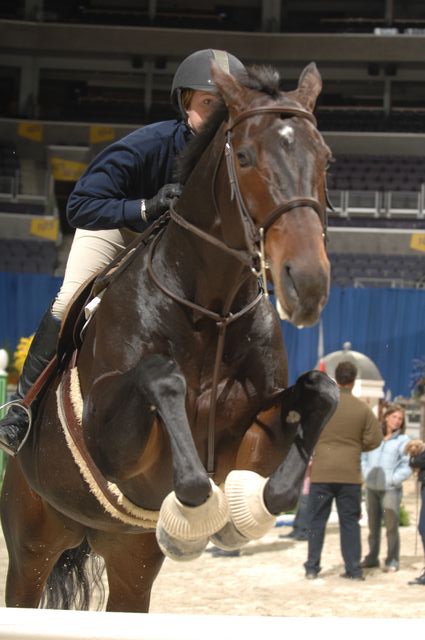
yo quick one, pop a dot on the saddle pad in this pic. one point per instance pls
(70, 405)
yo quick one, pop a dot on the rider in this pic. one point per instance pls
(124, 189)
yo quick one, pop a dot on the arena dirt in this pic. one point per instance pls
(268, 579)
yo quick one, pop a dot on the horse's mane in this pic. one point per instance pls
(264, 79)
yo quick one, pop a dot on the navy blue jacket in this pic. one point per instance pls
(108, 194)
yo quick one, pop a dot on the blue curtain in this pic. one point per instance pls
(385, 324)
(24, 299)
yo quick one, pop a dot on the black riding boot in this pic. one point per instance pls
(15, 424)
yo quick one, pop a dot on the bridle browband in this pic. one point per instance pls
(254, 242)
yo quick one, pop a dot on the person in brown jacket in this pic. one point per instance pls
(336, 473)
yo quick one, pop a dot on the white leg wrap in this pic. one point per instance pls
(244, 491)
(229, 538)
(192, 523)
(180, 550)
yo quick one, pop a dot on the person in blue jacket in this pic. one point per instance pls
(384, 471)
(124, 189)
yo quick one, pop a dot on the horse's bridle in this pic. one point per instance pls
(255, 233)
(254, 236)
(261, 229)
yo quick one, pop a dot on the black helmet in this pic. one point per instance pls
(195, 72)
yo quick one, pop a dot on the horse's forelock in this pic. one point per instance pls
(261, 78)
(264, 78)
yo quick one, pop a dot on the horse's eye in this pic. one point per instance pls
(244, 157)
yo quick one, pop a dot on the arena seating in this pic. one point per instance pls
(383, 222)
(377, 173)
(28, 256)
(377, 270)
(373, 119)
(9, 160)
(166, 15)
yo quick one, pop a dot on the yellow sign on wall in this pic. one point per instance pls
(67, 170)
(31, 131)
(101, 133)
(47, 228)
(417, 241)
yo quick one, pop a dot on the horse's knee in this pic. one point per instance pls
(192, 489)
(319, 387)
(280, 499)
(310, 402)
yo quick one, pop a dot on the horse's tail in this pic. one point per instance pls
(73, 580)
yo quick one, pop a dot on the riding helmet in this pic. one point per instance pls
(195, 72)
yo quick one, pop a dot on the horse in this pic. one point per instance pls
(173, 425)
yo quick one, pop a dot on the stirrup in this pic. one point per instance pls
(19, 403)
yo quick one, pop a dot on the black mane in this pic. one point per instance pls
(264, 79)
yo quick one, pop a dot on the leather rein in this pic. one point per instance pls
(254, 236)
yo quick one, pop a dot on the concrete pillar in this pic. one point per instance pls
(34, 10)
(389, 13)
(152, 10)
(271, 16)
(387, 97)
(28, 88)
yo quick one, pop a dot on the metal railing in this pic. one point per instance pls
(378, 204)
(12, 193)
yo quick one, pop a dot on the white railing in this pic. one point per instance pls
(378, 204)
(38, 624)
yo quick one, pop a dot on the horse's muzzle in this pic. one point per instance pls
(302, 295)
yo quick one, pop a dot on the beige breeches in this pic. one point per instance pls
(90, 252)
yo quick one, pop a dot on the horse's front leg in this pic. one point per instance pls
(255, 500)
(196, 508)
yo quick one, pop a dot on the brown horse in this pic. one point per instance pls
(180, 385)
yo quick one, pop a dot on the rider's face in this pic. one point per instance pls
(200, 107)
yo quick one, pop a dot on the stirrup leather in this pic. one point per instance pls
(21, 405)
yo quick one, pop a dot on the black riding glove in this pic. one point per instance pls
(159, 204)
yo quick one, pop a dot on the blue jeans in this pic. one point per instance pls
(348, 504)
(384, 505)
(302, 517)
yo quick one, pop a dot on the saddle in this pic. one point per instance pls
(75, 321)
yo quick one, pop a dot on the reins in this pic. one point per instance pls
(254, 237)
(222, 321)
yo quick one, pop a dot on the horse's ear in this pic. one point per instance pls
(230, 89)
(310, 85)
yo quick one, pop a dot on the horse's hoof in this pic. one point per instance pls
(229, 538)
(244, 491)
(182, 522)
(180, 550)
